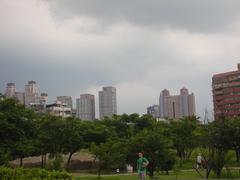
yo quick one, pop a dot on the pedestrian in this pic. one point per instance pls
(199, 161)
(142, 163)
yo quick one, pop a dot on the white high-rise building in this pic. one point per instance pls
(107, 102)
(66, 100)
(86, 107)
(31, 93)
(10, 90)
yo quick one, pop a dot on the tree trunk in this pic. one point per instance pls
(99, 172)
(237, 151)
(151, 169)
(218, 174)
(21, 161)
(69, 159)
(44, 160)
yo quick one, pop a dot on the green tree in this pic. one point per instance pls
(18, 130)
(73, 137)
(183, 135)
(155, 146)
(111, 154)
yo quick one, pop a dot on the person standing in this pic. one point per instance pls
(142, 163)
(199, 161)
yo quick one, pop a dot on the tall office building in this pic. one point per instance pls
(10, 90)
(31, 93)
(86, 107)
(177, 106)
(107, 102)
(66, 100)
(226, 94)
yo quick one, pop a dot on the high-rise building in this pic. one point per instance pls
(226, 94)
(10, 90)
(177, 106)
(107, 102)
(162, 103)
(20, 96)
(154, 111)
(66, 100)
(31, 93)
(86, 107)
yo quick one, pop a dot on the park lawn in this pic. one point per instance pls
(183, 175)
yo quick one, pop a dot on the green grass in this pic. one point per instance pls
(183, 175)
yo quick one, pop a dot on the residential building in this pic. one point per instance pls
(10, 90)
(107, 102)
(31, 93)
(59, 109)
(66, 100)
(20, 96)
(226, 94)
(86, 107)
(154, 111)
(177, 106)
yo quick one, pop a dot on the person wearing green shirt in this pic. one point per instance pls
(142, 163)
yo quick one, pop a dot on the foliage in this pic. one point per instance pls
(111, 154)
(23, 173)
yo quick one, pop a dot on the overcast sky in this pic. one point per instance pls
(72, 47)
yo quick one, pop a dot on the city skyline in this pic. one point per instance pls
(75, 47)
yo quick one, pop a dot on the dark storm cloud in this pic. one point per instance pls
(198, 16)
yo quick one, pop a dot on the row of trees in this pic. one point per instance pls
(116, 141)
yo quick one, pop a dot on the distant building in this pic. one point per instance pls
(66, 100)
(174, 107)
(86, 107)
(59, 109)
(10, 90)
(20, 96)
(107, 102)
(226, 94)
(43, 99)
(154, 111)
(31, 93)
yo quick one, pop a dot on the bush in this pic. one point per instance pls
(23, 173)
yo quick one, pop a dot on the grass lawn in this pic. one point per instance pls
(183, 175)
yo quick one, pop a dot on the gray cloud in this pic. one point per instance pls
(198, 16)
(141, 47)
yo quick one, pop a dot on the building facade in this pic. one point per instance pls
(154, 111)
(85, 106)
(66, 100)
(31, 93)
(177, 106)
(10, 90)
(226, 94)
(107, 102)
(59, 109)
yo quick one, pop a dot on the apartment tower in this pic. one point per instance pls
(85, 106)
(107, 102)
(226, 94)
(176, 106)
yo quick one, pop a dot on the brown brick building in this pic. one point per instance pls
(226, 94)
